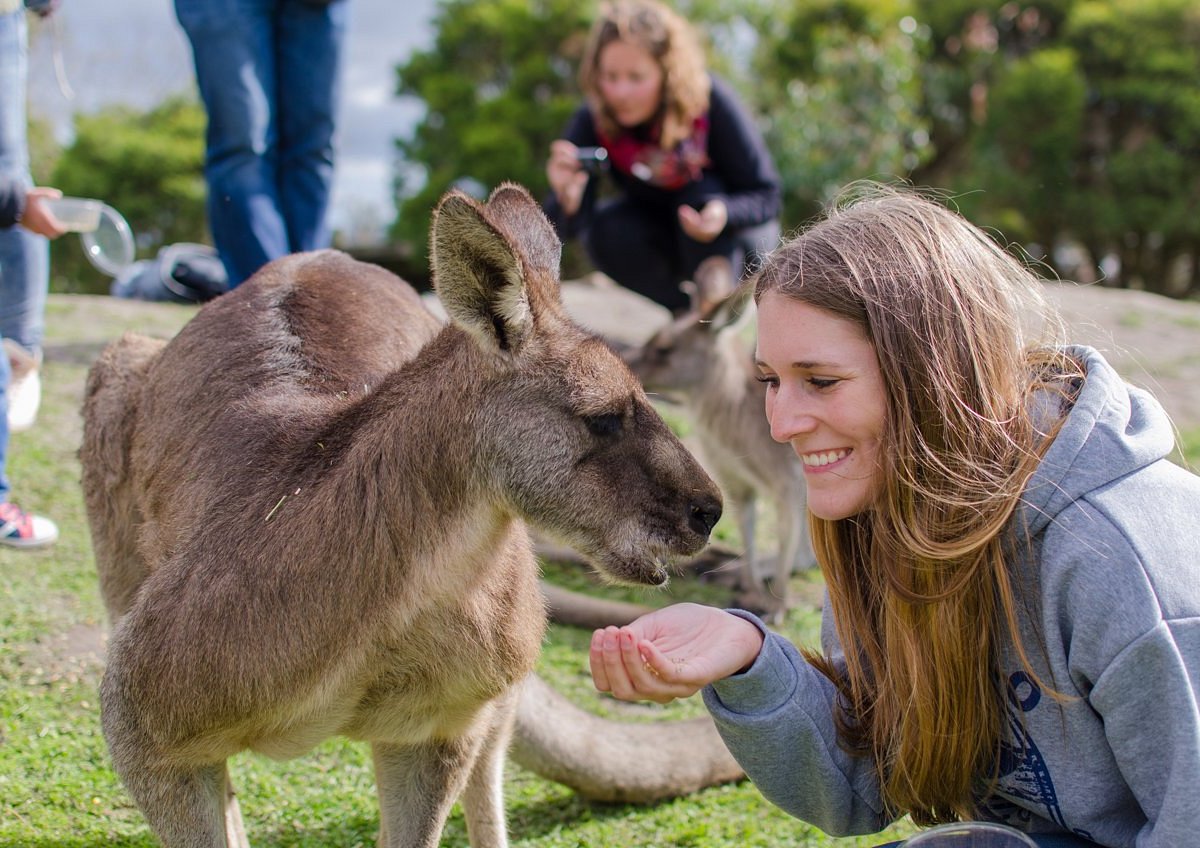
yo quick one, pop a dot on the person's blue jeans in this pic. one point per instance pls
(24, 257)
(268, 73)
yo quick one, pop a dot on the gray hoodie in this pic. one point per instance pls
(1112, 586)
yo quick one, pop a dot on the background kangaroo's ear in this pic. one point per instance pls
(717, 299)
(736, 308)
(478, 275)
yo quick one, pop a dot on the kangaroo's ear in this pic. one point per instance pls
(737, 307)
(512, 208)
(478, 275)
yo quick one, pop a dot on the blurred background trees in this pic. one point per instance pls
(1069, 126)
(147, 165)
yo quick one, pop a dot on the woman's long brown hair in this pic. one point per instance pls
(672, 42)
(920, 583)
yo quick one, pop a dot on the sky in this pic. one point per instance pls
(93, 53)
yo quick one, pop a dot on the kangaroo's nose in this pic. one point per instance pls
(704, 515)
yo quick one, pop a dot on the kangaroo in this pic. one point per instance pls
(701, 359)
(308, 512)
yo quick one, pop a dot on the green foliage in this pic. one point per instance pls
(44, 151)
(1074, 123)
(1029, 147)
(841, 84)
(1142, 59)
(148, 166)
(498, 84)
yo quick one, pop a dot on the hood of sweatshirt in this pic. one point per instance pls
(1112, 430)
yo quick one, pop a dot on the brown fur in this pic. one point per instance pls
(702, 361)
(308, 512)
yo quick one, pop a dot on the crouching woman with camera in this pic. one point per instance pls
(690, 172)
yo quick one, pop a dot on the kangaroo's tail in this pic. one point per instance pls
(607, 760)
(109, 417)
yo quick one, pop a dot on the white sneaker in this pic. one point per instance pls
(21, 529)
(25, 387)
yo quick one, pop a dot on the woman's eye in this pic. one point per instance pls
(603, 425)
(770, 382)
(821, 382)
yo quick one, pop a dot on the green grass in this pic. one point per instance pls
(1189, 448)
(57, 787)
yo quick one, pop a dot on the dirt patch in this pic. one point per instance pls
(1152, 340)
(72, 655)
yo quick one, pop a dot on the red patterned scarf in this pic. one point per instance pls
(644, 160)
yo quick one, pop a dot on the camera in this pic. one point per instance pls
(592, 158)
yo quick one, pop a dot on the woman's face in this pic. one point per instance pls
(825, 398)
(630, 82)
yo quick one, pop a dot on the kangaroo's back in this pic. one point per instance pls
(233, 392)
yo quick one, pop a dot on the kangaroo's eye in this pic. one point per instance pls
(603, 425)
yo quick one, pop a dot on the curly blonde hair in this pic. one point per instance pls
(919, 584)
(674, 45)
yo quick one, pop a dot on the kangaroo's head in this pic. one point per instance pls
(692, 353)
(563, 435)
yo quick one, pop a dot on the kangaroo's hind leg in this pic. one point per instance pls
(235, 831)
(417, 786)
(184, 802)
(483, 798)
(186, 807)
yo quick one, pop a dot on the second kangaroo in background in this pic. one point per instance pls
(703, 361)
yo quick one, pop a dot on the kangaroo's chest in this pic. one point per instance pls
(412, 679)
(432, 679)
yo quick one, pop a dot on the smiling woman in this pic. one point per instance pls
(692, 175)
(1012, 559)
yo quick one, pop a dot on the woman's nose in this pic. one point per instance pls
(789, 417)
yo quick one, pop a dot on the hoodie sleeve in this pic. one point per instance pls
(1153, 684)
(777, 720)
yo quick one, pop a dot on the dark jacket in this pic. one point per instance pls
(740, 171)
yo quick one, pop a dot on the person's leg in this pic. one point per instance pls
(308, 60)
(744, 248)
(18, 529)
(233, 47)
(5, 375)
(635, 246)
(24, 257)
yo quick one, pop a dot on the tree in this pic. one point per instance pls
(1074, 123)
(840, 82)
(148, 166)
(498, 84)
(1141, 146)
